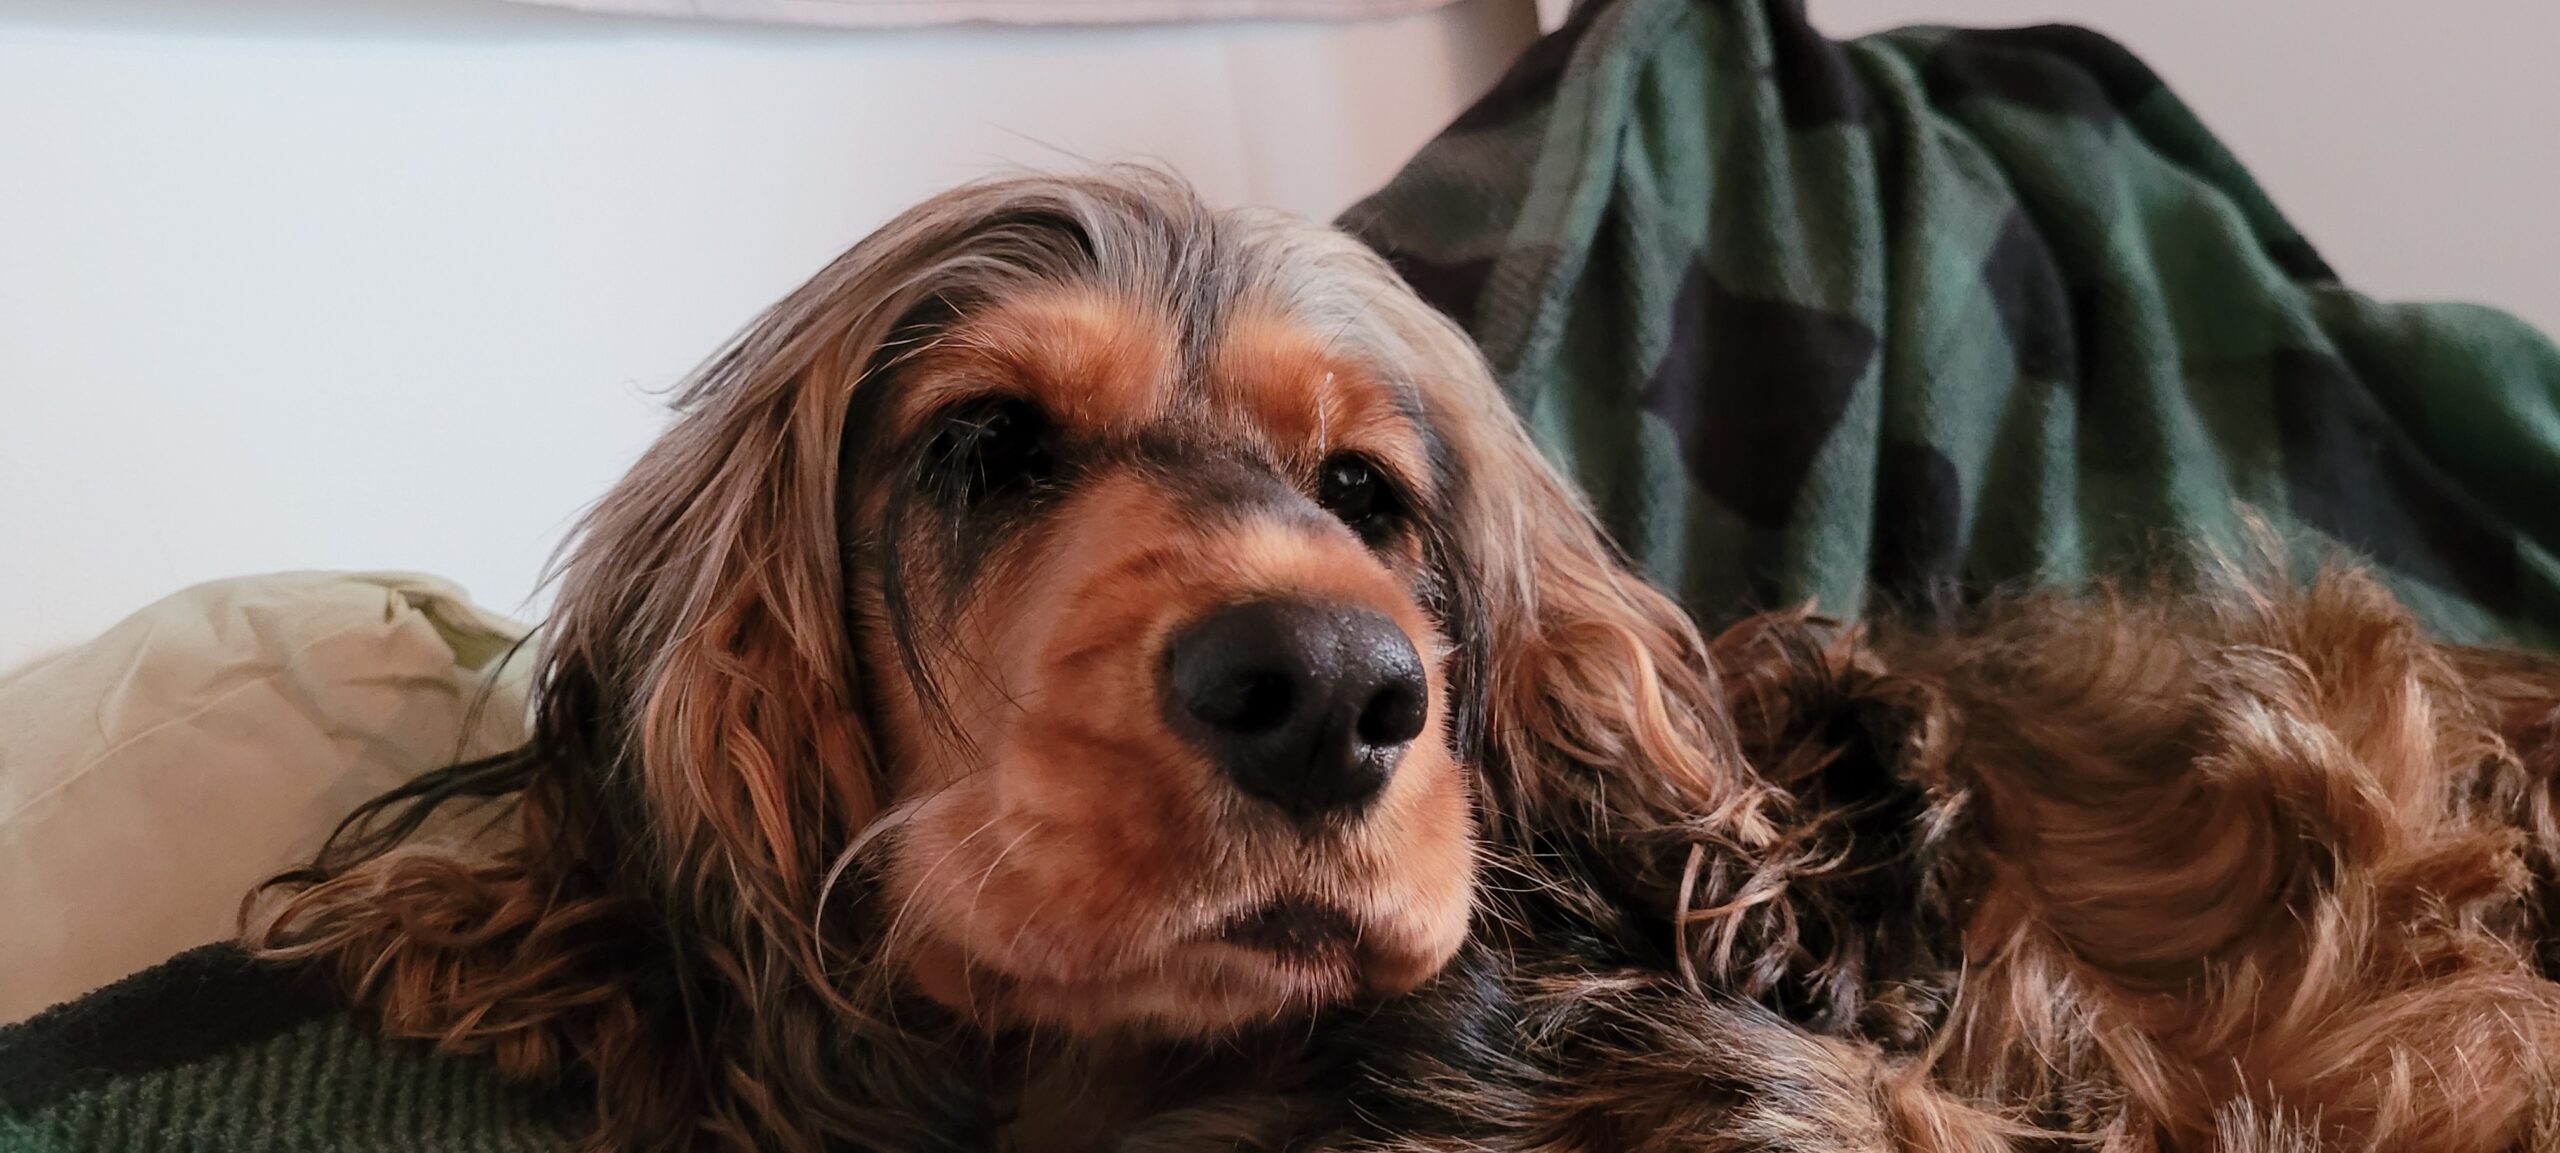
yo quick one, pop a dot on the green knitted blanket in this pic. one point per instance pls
(1917, 315)
(213, 1053)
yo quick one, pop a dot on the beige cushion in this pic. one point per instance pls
(150, 778)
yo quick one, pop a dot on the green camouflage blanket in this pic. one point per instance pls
(1937, 311)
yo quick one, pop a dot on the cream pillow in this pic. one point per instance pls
(151, 777)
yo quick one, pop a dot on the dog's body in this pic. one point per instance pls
(1091, 673)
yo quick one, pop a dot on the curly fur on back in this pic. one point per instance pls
(2255, 869)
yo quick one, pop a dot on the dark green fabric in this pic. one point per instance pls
(1939, 311)
(326, 1087)
(213, 1052)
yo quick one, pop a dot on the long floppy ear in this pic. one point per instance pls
(1743, 805)
(1599, 708)
(1603, 707)
(700, 754)
(701, 639)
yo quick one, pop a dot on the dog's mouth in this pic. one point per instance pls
(1266, 962)
(1296, 931)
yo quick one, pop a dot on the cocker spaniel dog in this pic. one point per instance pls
(1088, 672)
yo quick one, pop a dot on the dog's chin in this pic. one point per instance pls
(1267, 967)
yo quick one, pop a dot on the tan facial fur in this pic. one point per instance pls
(1067, 857)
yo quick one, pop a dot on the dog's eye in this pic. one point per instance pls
(1353, 489)
(990, 448)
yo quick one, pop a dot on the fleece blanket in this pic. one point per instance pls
(1908, 317)
(1928, 313)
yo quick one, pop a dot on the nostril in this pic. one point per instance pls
(1393, 716)
(1248, 702)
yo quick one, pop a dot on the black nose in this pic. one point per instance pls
(1305, 704)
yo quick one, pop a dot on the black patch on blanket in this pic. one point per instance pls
(1817, 86)
(2351, 472)
(1754, 387)
(2125, 79)
(1453, 287)
(197, 1005)
(2056, 70)
(2035, 308)
(2301, 261)
(1919, 526)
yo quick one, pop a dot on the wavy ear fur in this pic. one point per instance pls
(1603, 702)
(1600, 708)
(1738, 809)
(700, 752)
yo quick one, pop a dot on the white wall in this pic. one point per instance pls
(386, 283)
(317, 283)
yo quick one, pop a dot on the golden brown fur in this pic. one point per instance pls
(2247, 868)
(853, 820)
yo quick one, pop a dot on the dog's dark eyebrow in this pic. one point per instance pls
(1210, 480)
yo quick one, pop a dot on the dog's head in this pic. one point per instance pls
(1094, 612)
(1144, 526)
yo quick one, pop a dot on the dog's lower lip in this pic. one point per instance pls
(1293, 928)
